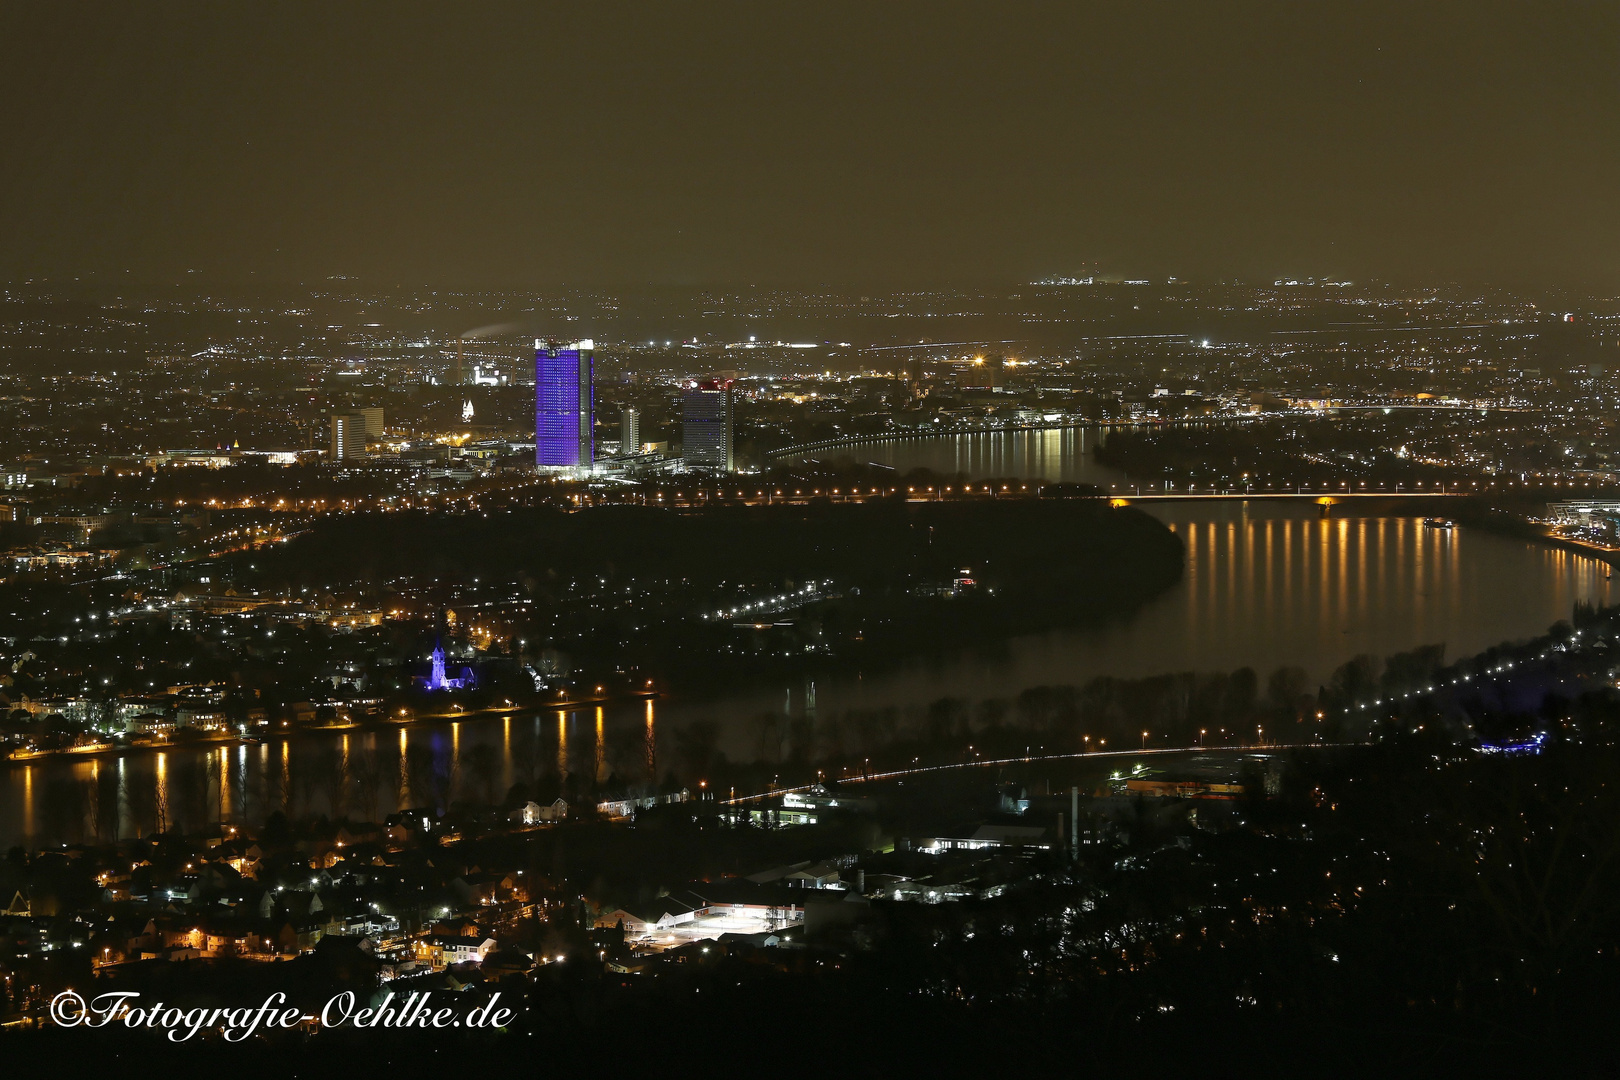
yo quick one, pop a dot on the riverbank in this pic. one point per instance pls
(1479, 513)
(415, 719)
(1271, 587)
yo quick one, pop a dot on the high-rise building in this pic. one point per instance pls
(374, 423)
(706, 427)
(348, 436)
(630, 431)
(564, 406)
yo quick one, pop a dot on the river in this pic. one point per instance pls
(1267, 584)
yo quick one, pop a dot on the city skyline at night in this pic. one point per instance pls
(901, 540)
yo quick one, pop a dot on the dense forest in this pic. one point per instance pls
(626, 586)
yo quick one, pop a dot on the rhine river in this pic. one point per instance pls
(1267, 584)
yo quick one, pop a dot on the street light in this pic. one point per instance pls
(1144, 740)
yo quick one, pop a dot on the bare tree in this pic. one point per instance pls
(101, 810)
(1286, 688)
(189, 785)
(525, 762)
(482, 764)
(626, 753)
(830, 736)
(393, 785)
(428, 777)
(695, 746)
(140, 800)
(162, 808)
(368, 781)
(767, 731)
(62, 808)
(332, 777)
(273, 791)
(216, 774)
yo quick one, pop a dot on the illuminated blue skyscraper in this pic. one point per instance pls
(564, 406)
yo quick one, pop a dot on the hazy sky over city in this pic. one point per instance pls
(794, 144)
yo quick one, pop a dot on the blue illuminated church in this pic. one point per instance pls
(438, 680)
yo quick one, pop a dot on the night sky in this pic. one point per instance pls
(904, 145)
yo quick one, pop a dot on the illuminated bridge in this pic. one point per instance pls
(977, 763)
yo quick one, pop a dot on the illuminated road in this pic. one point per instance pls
(850, 442)
(1185, 496)
(1023, 760)
(974, 492)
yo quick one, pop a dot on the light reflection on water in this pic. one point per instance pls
(1052, 454)
(1267, 584)
(361, 773)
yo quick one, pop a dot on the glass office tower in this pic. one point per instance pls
(706, 427)
(564, 406)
